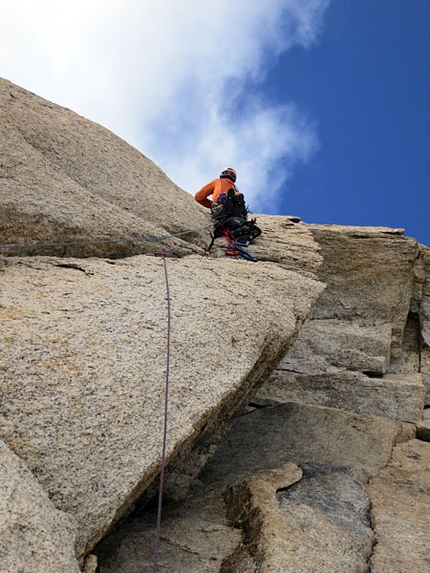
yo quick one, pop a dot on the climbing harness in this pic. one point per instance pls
(234, 248)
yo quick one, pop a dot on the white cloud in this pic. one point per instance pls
(182, 80)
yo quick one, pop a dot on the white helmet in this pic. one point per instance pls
(228, 173)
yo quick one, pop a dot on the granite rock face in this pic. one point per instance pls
(292, 477)
(395, 396)
(297, 385)
(366, 336)
(34, 535)
(83, 363)
(421, 309)
(66, 179)
(400, 498)
(352, 387)
(327, 503)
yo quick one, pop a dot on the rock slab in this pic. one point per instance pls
(34, 535)
(83, 358)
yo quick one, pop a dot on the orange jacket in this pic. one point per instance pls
(214, 188)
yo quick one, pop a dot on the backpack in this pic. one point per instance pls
(229, 205)
(243, 230)
(230, 212)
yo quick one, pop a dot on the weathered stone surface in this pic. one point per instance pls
(369, 320)
(422, 280)
(422, 308)
(34, 536)
(317, 523)
(425, 369)
(252, 505)
(411, 343)
(259, 456)
(423, 427)
(369, 274)
(395, 396)
(91, 564)
(195, 538)
(400, 501)
(369, 271)
(64, 178)
(332, 345)
(302, 434)
(83, 357)
(327, 513)
(288, 244)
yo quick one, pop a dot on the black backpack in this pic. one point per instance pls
(230, 212)
(242, 229)
(229, 205)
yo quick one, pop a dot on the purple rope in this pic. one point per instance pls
(166, 400)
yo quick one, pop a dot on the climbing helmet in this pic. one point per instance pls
(228, 173)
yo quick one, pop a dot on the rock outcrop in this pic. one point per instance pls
(65, 179)
(84, 357)
(366, 335)
(34, 534)
(297, 385)
(400, 502)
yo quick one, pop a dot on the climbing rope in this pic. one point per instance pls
(104, 241)
(166, 403)
(233, 248)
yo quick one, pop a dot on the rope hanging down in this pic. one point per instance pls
(166, 402)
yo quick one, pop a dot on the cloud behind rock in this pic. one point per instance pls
(182, 84)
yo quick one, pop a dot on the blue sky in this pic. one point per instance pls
(322, 106)
(367, 83)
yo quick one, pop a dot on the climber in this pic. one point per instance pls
(219, 188)
(228, 207)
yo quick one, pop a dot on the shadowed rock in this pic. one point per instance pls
(318, 522)
(268, 437)
(400, 500)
